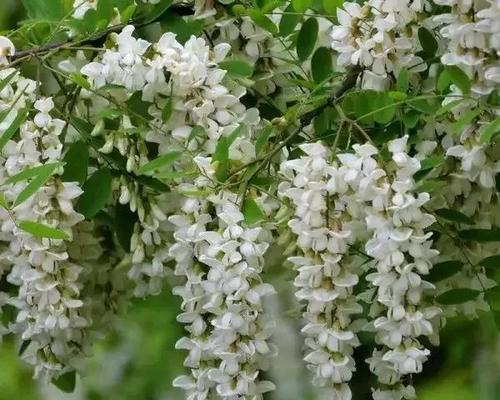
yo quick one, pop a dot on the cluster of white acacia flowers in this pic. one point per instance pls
(211, 179)
(339, 206)
(50, 319)
(473, 33)
(379, 36)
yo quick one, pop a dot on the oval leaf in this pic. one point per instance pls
(444, 270)
(76, 163)
(96, 193)
(307, 38)
(161, 162)
(454, 216)
(237, 68)
(480, 235)
(457, 296)
(42, 231)
(321, 64)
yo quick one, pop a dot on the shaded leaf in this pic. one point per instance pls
(252, 212)
(96, 193)
(480, 235)
(237, 68)
(66, 382)
(12, 129)
(459, 78)
(454, 216)
(43, 231)
(76, 163)
(443, 270)
(321, 64)
(457, 296)
(43, 175)
(162, 161)
(306, 40)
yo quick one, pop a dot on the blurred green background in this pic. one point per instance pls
(138, 361)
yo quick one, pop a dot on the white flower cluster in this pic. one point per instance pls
(222, 301)
(337, 208)
(326, 224)
(49, 318)
(380, 36)
(198, 99)
(472, 30)
(403, 254)
(219, 257)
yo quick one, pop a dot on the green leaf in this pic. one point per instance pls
(40, 177)
(152, 183)
(321, 64)
(252, 212)
(83, 127)
(197, 131)
(76, 163)
(261, 20)
(53, 10)
(42, 231)
(443, 270)
(12, 129)
(480, 235)
(161, 162)
(492, 296)
(167, 111)
(459, 125)
(139, 108)
(289, 21)
(221, 159)
(3, 202)
(301, 5)
(423, 105)
(431, 186)
(411, 118)
(124, 224)
(237, 68)
(33, 172)
(490, 262)
(459, 78)
(66, 382)
(263, 139)
(183, 29)
(444, 81)
(330, 6)
(403, 81)
(385, 113)
(96, 193)
(457, 296)
(156, 11)
(306, 40)
(491, 131)
(454, 216)
(428, 42)
(5, 81)
(81, 81)
(496, 317)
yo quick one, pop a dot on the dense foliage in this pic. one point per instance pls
(172, 145)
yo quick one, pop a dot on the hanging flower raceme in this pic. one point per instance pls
(473, 32)
(329, 220)
(379, 36)
(50, 319)
(403, 253)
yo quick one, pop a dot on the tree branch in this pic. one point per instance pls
(180, 9)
